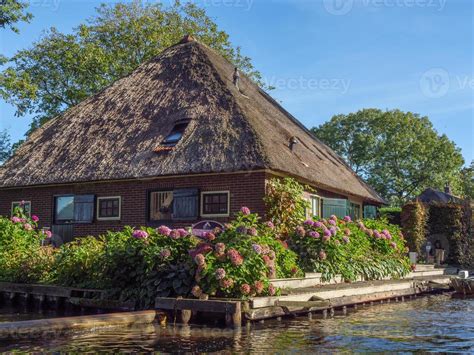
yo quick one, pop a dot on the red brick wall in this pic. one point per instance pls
(246, 189)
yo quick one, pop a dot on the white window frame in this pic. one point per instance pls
(310, 214)
(109, 218)
(19, 203)
(212, 193)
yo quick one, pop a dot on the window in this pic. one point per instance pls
(315, 206)
(215, 204)
(175, 134)
(354, 210)
(180, 204)
(370, 211)
(109, 208)
(74, 209)
(161, 205)
(334, 206)
(24, 205)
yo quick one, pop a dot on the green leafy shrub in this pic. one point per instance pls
(286, 206)
(414, 218)
(240, 261)
(23, 259)
(373, 250)
(81, 263)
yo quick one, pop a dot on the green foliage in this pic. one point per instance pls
(392, 214)
(398, 153)
(373, 250)
(61, 70)
(240, 261)
(413, 219)
(467, 181)
(285, 203)
(22, 256)
(5, 148)
(13, 11)
(453, 221)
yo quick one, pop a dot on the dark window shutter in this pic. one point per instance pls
(185, 204)
(84, 208)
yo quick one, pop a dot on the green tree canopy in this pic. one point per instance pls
(61, 70)
(398, 153)
(5, 148)
(467, 181)
(11, 12)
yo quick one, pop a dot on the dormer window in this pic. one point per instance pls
(176, 134)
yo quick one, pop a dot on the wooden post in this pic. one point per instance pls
(331, 312)
(344, 310)
(310, 315)
(325, 313)
(355, 305)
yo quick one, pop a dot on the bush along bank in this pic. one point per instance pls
(370, 249)
(239, 261)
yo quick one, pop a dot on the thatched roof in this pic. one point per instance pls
(432, 195)
(115, 133)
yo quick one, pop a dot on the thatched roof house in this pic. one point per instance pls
(183, 114)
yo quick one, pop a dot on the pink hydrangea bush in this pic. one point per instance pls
(370, 250)
(242, 260)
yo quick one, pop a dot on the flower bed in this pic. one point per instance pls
(142, 264)
(370, 250)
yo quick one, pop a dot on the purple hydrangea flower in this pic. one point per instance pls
(345, 239)
(333, 230)
(308, 222)
(347, 219)
(245, 211)
(241, 230)
(322, 255)
(165, 253)
(220, 248)
(252, 231)
(332, 222)
(318, 224)
(163, 230)
(257, 248)
(220, 273)
(182, 232)
(270, 225)
(174, 234)
(314, 234)
(139, 234)
(300, 231)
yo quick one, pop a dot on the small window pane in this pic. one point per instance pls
(64, 208)
(109, 207)
(216, 203)
(26, 207)
(161, 205)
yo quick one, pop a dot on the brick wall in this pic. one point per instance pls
(246, 189)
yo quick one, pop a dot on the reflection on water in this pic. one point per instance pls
(435, 323)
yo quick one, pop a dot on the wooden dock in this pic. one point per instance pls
(309, 295)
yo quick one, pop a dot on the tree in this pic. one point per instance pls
(61, 70)
(467, 181)
(5, 148)
(398, 153)
(13, 11)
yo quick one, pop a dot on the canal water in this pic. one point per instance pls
(435, 323)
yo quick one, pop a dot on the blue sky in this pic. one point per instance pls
(329, 56)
